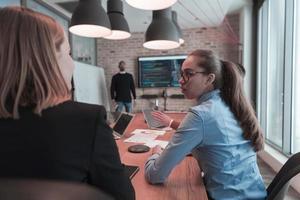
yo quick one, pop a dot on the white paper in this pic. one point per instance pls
(141, 138)
(153, 143)
(149, 131)
(167, 129)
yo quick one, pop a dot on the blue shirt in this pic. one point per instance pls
(211, 132)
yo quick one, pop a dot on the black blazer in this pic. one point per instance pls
(70, 141)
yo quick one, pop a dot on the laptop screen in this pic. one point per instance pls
(152, 123)
(122, 123)
(112, 117)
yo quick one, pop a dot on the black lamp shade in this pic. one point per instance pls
(162, 33)
(90, 19)
(119, 25)
(174, 18)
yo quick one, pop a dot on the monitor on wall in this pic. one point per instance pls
(159, 71)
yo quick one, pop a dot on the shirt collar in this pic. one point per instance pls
(123, 72)
(208, 95)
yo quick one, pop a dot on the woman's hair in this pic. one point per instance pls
(228, 78)
(29, 71)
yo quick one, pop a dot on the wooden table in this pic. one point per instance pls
(184, 182)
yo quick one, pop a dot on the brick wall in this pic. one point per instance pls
(219, 39)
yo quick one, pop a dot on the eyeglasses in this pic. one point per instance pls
(186, 75)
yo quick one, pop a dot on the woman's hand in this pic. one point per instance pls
(161, 117)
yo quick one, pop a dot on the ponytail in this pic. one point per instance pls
(233, 95)
(228, 78)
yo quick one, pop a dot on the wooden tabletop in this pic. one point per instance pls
(184, 182)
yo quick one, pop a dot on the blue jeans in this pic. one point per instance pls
(121, 104)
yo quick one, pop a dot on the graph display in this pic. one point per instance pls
(160, 71)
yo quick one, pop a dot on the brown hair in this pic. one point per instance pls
(228, 78)
(29, 72)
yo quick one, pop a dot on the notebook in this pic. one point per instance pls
(151, 122)
(122, 124)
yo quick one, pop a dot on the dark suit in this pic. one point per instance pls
(70, 141)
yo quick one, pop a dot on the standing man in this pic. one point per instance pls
(121, 85)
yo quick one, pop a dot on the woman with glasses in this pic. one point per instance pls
(168, 121)
(221, 131)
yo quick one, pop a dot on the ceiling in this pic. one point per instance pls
(191, 13)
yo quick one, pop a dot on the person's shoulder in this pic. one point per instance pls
(203, 107)
(129, 75)
(202, 110)
(78, 108)
(80, 105)
(115, 75)
(211, 108)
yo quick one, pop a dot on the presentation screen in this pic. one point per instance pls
(159, 71)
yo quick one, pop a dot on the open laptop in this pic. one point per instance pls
(151, 122)
(121, 124)
(113, 116)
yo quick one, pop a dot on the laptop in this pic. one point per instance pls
(151, 122)
(121, 124)
(112, 116)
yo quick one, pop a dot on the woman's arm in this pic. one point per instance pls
(187, 137)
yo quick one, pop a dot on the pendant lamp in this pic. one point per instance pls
(151, 4)
(119, 25)
(162, 33)
(174, 18)
(89, 19)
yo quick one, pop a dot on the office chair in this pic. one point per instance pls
(29, 189)
(280, 184)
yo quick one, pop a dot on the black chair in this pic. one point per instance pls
(280, 184)
(28, 189)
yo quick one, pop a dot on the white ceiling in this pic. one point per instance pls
(191, 13)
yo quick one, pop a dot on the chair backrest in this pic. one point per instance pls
(28, 189)
(279, 186)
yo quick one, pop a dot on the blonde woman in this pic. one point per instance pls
(43, 134)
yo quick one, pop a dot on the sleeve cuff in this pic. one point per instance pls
(171, 122)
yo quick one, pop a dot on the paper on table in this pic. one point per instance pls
(141, 138)
(149, 131)
(167, 129)
(153, 143)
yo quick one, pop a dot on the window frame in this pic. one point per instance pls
(262, 73)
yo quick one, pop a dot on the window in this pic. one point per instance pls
(274, 76)
(9, 3)
(296, 83)
(278, 76)
(83, 49)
